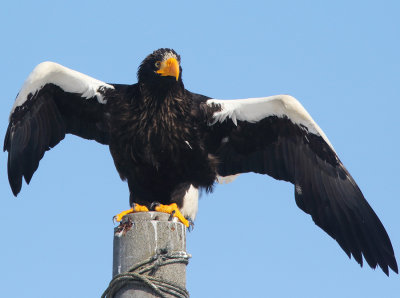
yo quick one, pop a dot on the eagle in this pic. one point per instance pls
(168, 143)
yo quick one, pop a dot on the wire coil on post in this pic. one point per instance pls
(143, 271)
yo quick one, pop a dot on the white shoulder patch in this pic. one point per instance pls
(254, 109)
(67, 79)
(226, 179)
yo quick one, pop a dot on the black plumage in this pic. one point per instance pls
(168, 148)
(165, 139)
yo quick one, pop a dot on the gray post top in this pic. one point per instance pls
(143, 235)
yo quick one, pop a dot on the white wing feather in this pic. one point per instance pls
(255, 109)
(67, 79)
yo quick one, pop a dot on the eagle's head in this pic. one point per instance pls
(161, 68)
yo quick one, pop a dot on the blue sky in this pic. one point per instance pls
(339, 58)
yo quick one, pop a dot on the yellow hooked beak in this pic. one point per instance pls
(169, 67)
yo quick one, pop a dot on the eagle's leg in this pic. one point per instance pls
(135, 208)
(173, 210)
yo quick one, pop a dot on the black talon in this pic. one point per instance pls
(191, 225)
(171, 216)
(154, 205)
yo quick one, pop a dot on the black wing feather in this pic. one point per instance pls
(42, 122)
(323, 187)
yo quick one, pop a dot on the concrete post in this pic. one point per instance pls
(149, 233)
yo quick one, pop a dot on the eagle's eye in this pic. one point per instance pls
(158, 64)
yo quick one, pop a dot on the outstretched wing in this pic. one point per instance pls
(276, 136)
(53, 101)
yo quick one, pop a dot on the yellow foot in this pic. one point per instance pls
(135, 208)
(174, 211)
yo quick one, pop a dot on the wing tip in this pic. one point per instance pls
(15, 184)
(392, 264)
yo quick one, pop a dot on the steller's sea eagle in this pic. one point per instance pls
(168, 142)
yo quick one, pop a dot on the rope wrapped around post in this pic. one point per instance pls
(138, 274)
